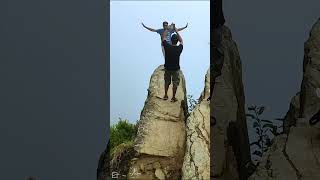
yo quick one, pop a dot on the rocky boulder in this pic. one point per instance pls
(309, 100)
(293, 156)
(230, 143)
(160, 141)
(196, 163)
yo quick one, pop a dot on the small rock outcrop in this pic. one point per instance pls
(196, 163)
(296, 153)
(230, 149)
(293, 114)
(103, 170)
(160, 141)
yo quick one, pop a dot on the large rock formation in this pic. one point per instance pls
(160, 142)
(169, 147)
(296, 153)
(309, 100)
(196, 163)
(230, 143)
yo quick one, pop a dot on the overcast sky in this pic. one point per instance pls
(136, 52)
(270, 36)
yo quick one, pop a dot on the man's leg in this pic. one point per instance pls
(175, 81)
(163, 52)
(174, 90)
(167, 80)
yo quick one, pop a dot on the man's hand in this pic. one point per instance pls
(180, 29)
(175, 29)
(179, 37)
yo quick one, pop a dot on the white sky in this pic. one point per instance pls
(136, 52)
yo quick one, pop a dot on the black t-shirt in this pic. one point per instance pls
(172, 56)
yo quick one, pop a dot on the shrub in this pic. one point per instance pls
(191, 103)
(122, 132)
(262, 128)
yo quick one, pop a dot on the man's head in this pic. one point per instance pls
(165, 25)
(174, 39)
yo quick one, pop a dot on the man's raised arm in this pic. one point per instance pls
(150, 29)
(179, 37)
(180, 29)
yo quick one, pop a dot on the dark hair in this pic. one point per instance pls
(174, 39)
(165, 22)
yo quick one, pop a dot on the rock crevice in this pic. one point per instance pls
(196, 163)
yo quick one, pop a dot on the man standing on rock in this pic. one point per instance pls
(172, 62)
(168, 33)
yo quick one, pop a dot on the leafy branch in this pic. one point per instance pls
(262, 127)
(191, 103)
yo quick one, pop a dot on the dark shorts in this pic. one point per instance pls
(168, 74)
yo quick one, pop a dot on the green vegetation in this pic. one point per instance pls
(121, 156)
(121, 133)
(122, 136)
(192, 102)
(263, 128)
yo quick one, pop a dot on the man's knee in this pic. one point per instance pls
(175, 84)
(167, 78)
(176, 79)
(167, 82)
